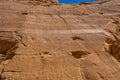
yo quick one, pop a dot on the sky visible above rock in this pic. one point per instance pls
(74, 1)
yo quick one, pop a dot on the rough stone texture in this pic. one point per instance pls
(42, 2)
(37, 2)
(59, 42)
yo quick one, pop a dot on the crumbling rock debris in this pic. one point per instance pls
(113, 47)
(112, 44)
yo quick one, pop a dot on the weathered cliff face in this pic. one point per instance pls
(43, 2)
(59, 42)
(37, 2)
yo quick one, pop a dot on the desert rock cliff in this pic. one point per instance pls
(44, 40)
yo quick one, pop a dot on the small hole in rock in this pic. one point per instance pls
(45, 52)
(101, 13)
(42, 57)
(24, 13)
(79, 54)
(76, 38)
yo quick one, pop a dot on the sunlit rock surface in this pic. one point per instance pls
(59, 42)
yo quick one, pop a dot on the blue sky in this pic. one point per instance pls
(74, 1)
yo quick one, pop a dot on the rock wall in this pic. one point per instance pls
(42, 2)
(59, 42)
(112, 43)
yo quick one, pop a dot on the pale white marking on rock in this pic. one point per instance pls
(72, 31)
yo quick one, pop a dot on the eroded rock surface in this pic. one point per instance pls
(43, 2)
(59, 42)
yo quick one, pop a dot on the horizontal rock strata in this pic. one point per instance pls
(59, 42)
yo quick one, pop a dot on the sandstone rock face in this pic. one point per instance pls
(37, 2)
(59, 42)
(42, 2)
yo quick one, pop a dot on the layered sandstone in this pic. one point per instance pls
(59, 42)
